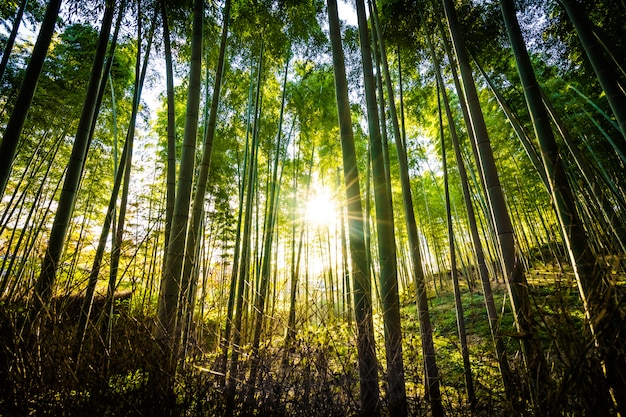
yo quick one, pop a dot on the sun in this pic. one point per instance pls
(320, 209)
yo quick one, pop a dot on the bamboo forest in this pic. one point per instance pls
(313, 208)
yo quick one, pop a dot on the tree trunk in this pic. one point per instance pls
(515, 278)
(203, 173)
(233, 294)
(492, 314)
(460, 318)
(52, 256)
(428, 348)
(170, 285)
(170, 198)
(274, 186)
(244, 267)
(386, 234)
(596, 289)
(605, 72)
(110, 214)
(14, 127)
(368, 372)
(347, 292)
(130, 138)
(296, 258)
(11, 39)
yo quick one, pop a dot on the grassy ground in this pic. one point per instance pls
(40, 374)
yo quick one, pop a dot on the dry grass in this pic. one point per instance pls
(41, 373)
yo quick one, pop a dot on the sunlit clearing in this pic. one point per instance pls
(320, 209)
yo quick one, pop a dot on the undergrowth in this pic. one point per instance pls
(42, 374)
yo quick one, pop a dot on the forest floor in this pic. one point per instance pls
(317, 376)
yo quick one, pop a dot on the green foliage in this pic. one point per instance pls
(312, 101)
(34, 11)
(318, 373)
(607, 16)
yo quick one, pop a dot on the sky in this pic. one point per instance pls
(347, 13)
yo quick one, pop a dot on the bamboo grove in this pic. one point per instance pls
(297, 207)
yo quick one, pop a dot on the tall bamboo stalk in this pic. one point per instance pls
(197, 210)
(605, 71)
(75, 167)
(460, 318)
(259, 305)
(516, 281)
(17, 20)
(430, 364)
(596, 289)
(170, 281)
(244, 268)
(368, 372)
(384, 225)
(170, 196)
(14, 127)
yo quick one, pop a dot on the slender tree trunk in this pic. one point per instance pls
(75, 166)
(290, 332)
(129, 145)
(170, 198)
(596, 289)
(607, 76)
(11, 39)
(492, 314)
(460, 318)
(14, 127)
(259, 305)
(331, 287)
(110, 214)
(233, 296)
(97, 262)
(463, 104)
(386, 235)
(244, 268)
(377, 52)
(517, 285)
(370, 403)
(170, 285)
(295, 271)
(347, 292)
(428, 349)
(203, 173)
(367, 210)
